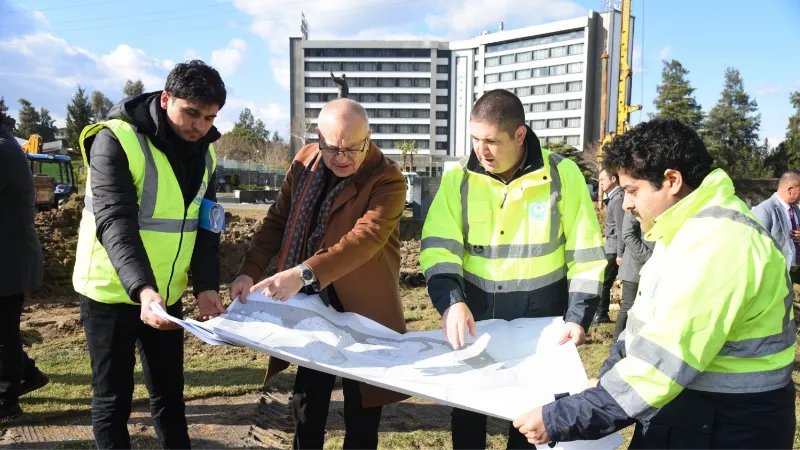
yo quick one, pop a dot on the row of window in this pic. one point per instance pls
(388, 143)
(535, 55)
(550, 124)
(372, 82)
(372, 98)
(542, 40)
(387, 128)
(378, 82)
(372, 113)
(367, 53)
(559, 105)
(543, 89)
(313, 66)
(538, 72)
(574, 141)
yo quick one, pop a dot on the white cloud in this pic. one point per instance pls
(228, 59)
(769, 90)
(168, 64)
(61, 65)
(281, 71)
(463, 16)
(637, 62)
(797, 83)
(663, 54)
(274, 116)
(39, 16)
(774, 141)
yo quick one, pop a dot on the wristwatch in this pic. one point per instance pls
(309, 279)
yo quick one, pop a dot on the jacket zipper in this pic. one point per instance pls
(177, 254)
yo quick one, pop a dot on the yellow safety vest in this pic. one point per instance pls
(528, 248)
(714, 308)
(168, 229)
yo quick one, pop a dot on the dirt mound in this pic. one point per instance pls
(58, 235)
(233, 244)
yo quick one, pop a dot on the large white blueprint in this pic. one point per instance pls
(510, 368)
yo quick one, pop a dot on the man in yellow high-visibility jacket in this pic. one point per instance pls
(511, 233)
(706, 358)
(151, 166)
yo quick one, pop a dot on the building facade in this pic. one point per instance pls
(423, 91)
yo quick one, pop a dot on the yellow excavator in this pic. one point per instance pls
(624, 109)
(53, 176)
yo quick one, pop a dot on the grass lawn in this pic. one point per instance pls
(224, 371)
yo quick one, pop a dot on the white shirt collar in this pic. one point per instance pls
(785, 205)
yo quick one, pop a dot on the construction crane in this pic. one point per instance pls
(624, 109)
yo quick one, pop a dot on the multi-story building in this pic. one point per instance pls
(423, 91)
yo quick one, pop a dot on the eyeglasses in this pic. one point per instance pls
(348, 152)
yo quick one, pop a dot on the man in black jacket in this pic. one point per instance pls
(20, 272)
(116, 314)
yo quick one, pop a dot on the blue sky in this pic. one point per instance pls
(47, 47)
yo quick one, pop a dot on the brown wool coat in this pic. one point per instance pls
(361, 249)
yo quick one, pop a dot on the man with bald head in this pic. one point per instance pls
(781, 217)
(334, 232)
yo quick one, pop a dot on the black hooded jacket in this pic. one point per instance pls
(114, 198)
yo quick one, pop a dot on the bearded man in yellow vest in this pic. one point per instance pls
(151, 164)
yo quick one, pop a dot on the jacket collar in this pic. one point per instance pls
(715, 186)
(533, 158)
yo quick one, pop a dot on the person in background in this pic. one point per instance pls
(781, 217)
(20, 272)
(151, 164)
(635, 253)
(609, 182)
(334, 231)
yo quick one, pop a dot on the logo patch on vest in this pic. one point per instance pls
(537, 210)
(198, 199)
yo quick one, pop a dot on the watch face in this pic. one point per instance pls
(307, 275)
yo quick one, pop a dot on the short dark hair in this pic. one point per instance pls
(651, 148)
(196, 81)
(610, 172)
(500, 108)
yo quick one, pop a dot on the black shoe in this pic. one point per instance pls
(30, 384)
(604, 319)
(7, 414)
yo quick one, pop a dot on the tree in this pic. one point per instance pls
(101, 105)
(276, 137)
(47, 126)
(791, 146)
(29, 120)
(731, 129)
(300, 128)
(588, 167)
(133, 88)
(79, 115)
(260, 130)
(675, 97)
(407, 148)
(6, 120)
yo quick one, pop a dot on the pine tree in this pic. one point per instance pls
(6, 120)
(276, 137)
(675, 97)
(133, 88)
(47, 127)
(792, 142)
(101, 105)
(28, 120)
(79, 115)
(731, 129)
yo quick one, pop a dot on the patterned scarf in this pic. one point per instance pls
(310, 189)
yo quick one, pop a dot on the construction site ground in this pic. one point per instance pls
(227, 405)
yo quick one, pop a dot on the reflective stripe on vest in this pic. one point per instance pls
(683, 374)
(147, 205)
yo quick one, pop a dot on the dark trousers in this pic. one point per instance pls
(113, 332)
(15, 365)
(469, 432)
(310, 402)
(608, 281)
(629, 289)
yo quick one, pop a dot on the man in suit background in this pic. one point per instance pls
(635, 253)
(609, 182)
(781, 217)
